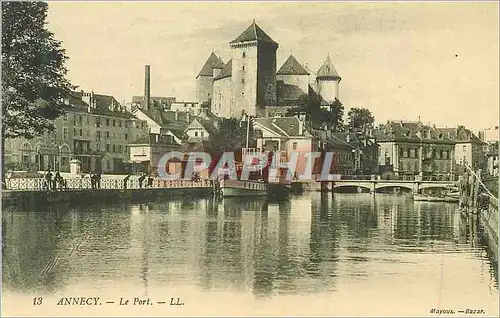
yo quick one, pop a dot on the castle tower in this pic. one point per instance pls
(293, 73)
(204, 79)
(328, 80)
(253, 71)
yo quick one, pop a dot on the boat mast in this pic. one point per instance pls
(248, 130)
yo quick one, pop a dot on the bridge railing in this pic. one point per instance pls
(395, 178)
(40, 184)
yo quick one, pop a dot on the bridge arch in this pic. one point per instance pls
(394, 186)
(353, 185)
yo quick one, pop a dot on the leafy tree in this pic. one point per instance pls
(331, 115)
(33, 72)
(231, 135)
(360, 119)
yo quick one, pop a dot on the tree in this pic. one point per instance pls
(231, 135)
(360, 118)
(33, 72)
(330, 114)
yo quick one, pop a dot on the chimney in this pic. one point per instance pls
(176, 115)
(301, 127)
(348, 138)
(147, 87)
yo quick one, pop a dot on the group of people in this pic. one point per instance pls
(141, 180)
(95, 180)
(53, 180)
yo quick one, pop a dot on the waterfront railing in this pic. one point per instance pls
(40, 184)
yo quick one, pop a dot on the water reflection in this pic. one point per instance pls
(308, 244)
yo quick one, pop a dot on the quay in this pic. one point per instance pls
(481, 199)
(75, 190)
(32, 192)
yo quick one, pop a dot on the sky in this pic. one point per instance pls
(403, 61)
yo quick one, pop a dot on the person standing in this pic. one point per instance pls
(125, 181)
(57, 178)
(48, 179)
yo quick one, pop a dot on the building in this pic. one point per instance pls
(249, 84)
(285, 135)
(344, 154)
(200, 129)
(192, 107)
(492, 159)
(94, 130)
(146, 154)
(490, 134)
(205, 78)
(415, 149)
(469, 149)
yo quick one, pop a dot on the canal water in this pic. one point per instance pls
(346, 254)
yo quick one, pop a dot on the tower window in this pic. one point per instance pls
(244, 54)
(243, 80)
(243, 67)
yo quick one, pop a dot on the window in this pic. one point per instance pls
(114, 123)
(125, 123)
(107, 134)
(74, 132)
(126, 136)
(244, 54)
(441, 154)
(119, 148)
(294, 146)
(113, 147)
(98, 136)
(243, 67)
(107, 121)
(80, 132)
(119, 123)
(98, 146)
(202, 133)
(196, 134)
(98, 122)
(464, 149)
(243, 81)
(107, 147)
(65, 133)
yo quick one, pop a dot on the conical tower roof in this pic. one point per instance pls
(292, 67)
(226, 71)
(327, 70)
(253, 33)
(212, 62)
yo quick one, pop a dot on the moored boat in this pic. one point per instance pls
(242, 188)
(428, 198)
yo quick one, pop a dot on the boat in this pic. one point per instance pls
(242, 188)
(428, 198)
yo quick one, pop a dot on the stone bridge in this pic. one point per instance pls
(374, 185)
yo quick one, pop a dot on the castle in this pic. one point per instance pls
(249, 84)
